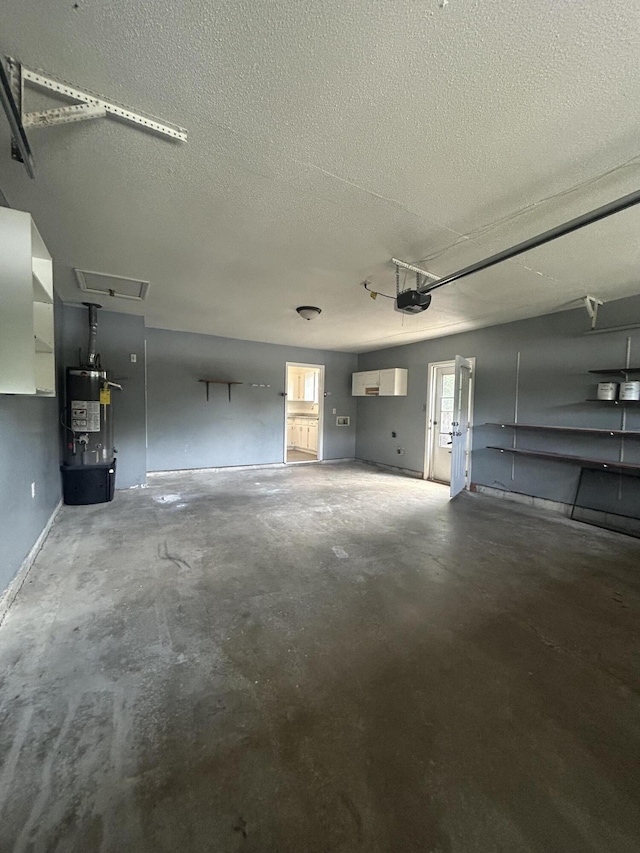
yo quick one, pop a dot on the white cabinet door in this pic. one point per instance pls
(372, 379)
(310, 379)
(313, 437)
(365, 383)
(357, 384)
(295, 384)
(303, 442)
(393, 382)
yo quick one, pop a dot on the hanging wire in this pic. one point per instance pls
(375, 293)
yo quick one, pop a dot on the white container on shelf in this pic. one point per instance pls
(630, 391)
(607, 391)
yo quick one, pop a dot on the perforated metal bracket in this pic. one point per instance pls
(592, 303)
(63, 115)
(89, 105)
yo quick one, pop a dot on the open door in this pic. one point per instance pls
(460, 425)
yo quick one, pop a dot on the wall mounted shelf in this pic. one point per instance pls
(226, 382)
(627, 432)
(616, 371)
(585, 461)
(613, 402)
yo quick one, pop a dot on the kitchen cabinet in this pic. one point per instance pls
(391, 382)
(312, 436)
(302, 385)
(302, 434)
(27, 347)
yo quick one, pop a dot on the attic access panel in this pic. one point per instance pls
(117, 286)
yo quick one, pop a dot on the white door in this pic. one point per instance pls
(460, 425)
(444, 386)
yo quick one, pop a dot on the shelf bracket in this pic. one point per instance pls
(88, 106)
(592, 303)
(208, 382)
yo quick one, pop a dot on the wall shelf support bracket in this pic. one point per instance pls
(592, 303)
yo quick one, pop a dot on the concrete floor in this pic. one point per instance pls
(321, 659)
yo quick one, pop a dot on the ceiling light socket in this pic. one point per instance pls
(308, 311)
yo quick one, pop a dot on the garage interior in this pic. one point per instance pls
(369, 579)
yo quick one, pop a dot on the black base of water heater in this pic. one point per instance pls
(88, 484)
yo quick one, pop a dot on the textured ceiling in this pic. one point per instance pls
(325, 138)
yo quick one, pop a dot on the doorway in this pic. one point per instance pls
(445, 416)
(303, 416)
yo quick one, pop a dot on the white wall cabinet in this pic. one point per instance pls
(391, 382)
(303, 385)
(27, 346)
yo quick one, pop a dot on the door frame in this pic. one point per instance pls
(320, 451)
(432, 367)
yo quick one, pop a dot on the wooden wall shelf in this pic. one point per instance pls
(629, 432)
(613, 402)
(616, 371)
(585, 461)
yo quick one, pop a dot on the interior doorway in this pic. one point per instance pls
(449, 421)
(303, 412)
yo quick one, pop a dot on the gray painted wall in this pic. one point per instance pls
(186, 431)
(29, 452)
(119, 335)
(554, 382)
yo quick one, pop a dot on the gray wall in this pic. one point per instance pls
(119, 335)
(186, 431)
(29, 453)
(554, 382)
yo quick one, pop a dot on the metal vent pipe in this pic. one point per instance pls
(93, 332)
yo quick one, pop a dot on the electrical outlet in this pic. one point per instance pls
(133, 357)
(33, 490)
(394, 434)
(401, 451)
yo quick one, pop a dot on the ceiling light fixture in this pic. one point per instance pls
(308, 311)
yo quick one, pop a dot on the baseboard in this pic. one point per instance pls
(607, 520)
(9, 595)
(261, 465)
(408, 472)
(527, 500)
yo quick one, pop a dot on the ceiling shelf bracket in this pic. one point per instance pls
(88, 106)
(592, 303)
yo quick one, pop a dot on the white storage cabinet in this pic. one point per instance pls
(391, 382)
(302, 434)
(303, 385)
(27, 346)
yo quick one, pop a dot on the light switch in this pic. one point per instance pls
(133, 358)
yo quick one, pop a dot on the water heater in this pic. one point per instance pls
(89, 468)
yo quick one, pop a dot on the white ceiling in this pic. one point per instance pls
(325, 137)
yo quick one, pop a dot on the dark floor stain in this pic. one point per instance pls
(241, 827)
